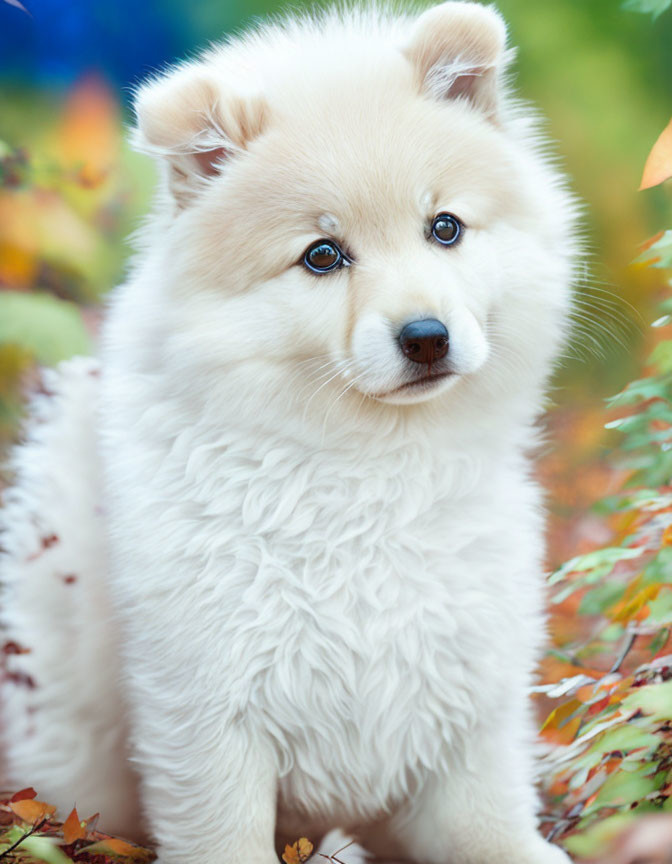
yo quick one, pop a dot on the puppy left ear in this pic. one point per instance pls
(459, 51)
(193, 122)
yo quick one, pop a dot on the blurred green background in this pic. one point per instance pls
(71, 190)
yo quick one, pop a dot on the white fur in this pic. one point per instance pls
(327, 606)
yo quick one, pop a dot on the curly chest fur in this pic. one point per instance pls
(369, 687)
(355, 619)
(344, 601)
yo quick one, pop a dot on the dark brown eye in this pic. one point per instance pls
(446, 229)
(323, 256)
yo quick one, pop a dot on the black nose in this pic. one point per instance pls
(424, 341)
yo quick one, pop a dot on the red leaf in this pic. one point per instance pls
(23, 795)
(596, 707)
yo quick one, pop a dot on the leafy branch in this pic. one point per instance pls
(37, 827)
(648, 7)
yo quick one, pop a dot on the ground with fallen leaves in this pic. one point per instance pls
(30, 831)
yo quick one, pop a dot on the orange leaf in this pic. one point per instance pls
(647, 244)
(118, 849)
(290, 855)
(658, 166)
(32, 811)
(299, 852)
(18, 267)
(630, 607)
(73, 828)
(560, 725)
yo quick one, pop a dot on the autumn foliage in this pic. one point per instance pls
(609, 675)
(30, 831)
(66, 206)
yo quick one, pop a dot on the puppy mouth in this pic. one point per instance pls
(418, 385)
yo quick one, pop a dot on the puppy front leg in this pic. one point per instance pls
(209, 792)
(481, 812)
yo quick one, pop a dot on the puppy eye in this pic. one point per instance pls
(446, 229)
(323, 257)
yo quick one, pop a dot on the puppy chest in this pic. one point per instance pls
(364, 699)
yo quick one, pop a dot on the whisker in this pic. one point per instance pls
(339, 371)
(345, 390)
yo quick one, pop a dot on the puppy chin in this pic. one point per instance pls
(412, 392)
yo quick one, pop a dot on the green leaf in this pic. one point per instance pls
(606, 557)
(660, 611)
(594, 840)
(655, 701)
(615, 503)
(595, 602)
(45, 849)
(659, 254)
(625, 738)
(661, 356)
(652, 7)
(42, 848)
(623, 787)
(612, 633)
(659, 569)
(656, 387)
(51, 329)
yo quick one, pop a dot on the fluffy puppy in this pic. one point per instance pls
(315, 521)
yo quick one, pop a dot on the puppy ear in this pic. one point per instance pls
(458, 50)
(193, 125)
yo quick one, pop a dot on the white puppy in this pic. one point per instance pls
(318, 528)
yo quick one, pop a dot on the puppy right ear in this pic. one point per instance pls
(459, 52)
(192, 125)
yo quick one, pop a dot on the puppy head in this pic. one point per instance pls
(351, 206)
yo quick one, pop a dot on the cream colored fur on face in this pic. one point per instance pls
(296, 603)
